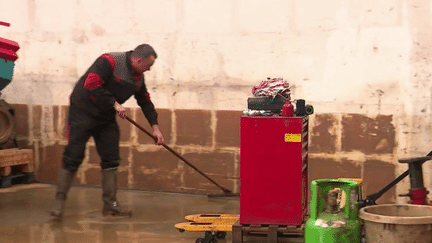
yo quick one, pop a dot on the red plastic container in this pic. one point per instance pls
(4, 23)
(8, 56)
(8, 49)
(288, 109)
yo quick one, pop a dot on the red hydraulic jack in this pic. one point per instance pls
(417, 192)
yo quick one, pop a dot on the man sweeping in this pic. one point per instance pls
(96, 99)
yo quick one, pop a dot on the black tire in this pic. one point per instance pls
(199, 240)
(221, 235)
(7, 122)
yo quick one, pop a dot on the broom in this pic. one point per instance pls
(226, 192)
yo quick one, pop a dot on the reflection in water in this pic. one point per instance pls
(94, 232)
(154, 216)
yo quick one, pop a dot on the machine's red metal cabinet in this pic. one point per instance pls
(273, 170)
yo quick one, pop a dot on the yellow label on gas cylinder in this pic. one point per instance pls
(291, 137)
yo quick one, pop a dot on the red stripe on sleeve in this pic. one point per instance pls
(117, 78)
(110, 60)
(92, 81)
(68, 133)
(148, 96)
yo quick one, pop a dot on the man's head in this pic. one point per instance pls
(143, 58)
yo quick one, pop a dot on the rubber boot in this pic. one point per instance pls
(64, 183)
(109, 196)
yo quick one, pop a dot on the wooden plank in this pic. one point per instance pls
(5, 171)
(272, 234)
(12, 157)
(289, 229)
(27, 168)
(237, 233)
(267, 233)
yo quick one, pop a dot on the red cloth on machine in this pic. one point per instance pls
(272, 87)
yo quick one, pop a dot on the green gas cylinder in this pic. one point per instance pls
(333, 212)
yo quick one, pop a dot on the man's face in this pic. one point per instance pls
(142, 65)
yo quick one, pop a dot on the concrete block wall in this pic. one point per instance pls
(362, 65)
(208, 139)
(354, 146)
(341, 145)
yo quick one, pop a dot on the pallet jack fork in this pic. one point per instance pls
(215, 226)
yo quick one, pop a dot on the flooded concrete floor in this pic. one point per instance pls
(24, 216)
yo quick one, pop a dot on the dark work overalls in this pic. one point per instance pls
(92, 112)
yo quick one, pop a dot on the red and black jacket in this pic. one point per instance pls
(111, 78)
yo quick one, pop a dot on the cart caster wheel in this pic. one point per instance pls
(181, 230)
(29, 178)
(221, 235)
(5, 182)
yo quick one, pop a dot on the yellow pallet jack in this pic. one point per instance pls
(215, 226)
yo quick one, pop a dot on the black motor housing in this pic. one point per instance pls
(266, 103)
(275, 105)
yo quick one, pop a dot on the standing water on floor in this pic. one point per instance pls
(24, 216)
